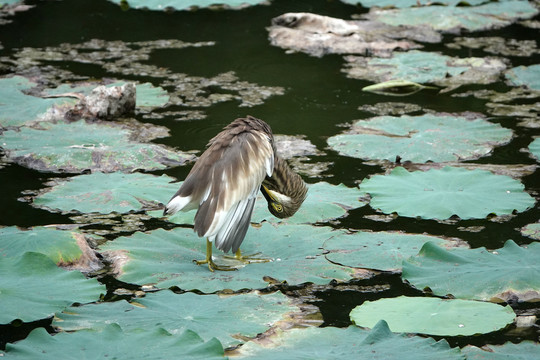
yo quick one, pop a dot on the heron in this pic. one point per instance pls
(224, 183)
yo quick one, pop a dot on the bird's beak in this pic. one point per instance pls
(272, 199)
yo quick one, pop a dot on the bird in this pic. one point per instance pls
(224, 182)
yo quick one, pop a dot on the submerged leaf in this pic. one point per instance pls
(396, 88)
(115, 343)
(430, 137)
(507, 273)
(32, 287)
(433, 316)
(210, 316)
(352, 342)
(443, 193)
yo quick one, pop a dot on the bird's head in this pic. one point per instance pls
(281, 205)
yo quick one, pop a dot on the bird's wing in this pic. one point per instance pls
(231, 172)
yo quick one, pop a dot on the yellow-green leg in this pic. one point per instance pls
(211, 264)
(248, 259)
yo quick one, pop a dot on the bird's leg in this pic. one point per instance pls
(211, 264)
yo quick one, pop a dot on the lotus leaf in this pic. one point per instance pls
(186, 4)
(532, 231)
(59, 245)
(378, 250)
(509, 272)
(114, 343)
(211, 316)
(430, 137)
(525, 350)
(528, 76)
(78, 146)
(457, 18)
(534, 148)
(32, 287)
(434, 316)
(165, 258)
(442, 193)
(17, 108)
(352, 342)
(324, 202)
(106, 193)
(425, 67)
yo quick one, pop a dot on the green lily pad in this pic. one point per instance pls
(457, 18)
(534, 148)
(78, 146)
(351, 342)
(525, 350)
(16, 108)
(379, 250)
(425, 67)
(114, 343)
(532, 231)
(165, 258)
(434, 316)
(105, 193)
(186, 4)
(528, 76)
(211, 316)
(32, 287)
(430, 137)
(324, 202)
(443, 193)
(509, 272)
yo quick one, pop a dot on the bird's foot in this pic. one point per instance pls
(248, 259)
(212, 266)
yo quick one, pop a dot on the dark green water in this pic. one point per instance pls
(317, 100)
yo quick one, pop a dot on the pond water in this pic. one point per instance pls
(317, 101)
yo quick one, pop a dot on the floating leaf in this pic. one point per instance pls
(532, 231)
(442, 193)
(17, 108)
(352, 342)
(106, 193)
(496, 45)
(534, 148)
(525, 350)
(509, 272)
(165, 258)
(407, 3)
(79, 146)
(457, 18)
(32, 287)
(114, 343)
(430, 137)
(434, 316)
(425, 67)
(378, 250)
(186, 4)
(396, 88)
(211, 316)
(528, 76)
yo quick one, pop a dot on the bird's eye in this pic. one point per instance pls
(277, 207)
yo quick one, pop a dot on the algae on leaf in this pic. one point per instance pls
(32, 287)
(507, 273)
(433, 316)
(115, 343)
(430, 137)
(443, 193)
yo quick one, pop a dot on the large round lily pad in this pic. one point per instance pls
(32, 287)
(430, 137)
(442, 193)
(352, 342)
(78, 146)
(208, 315)
(17, 108)
(165, 258)
(114, 343)
(434, 316)
(507, 273)
(106, 193)
(379, 250)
